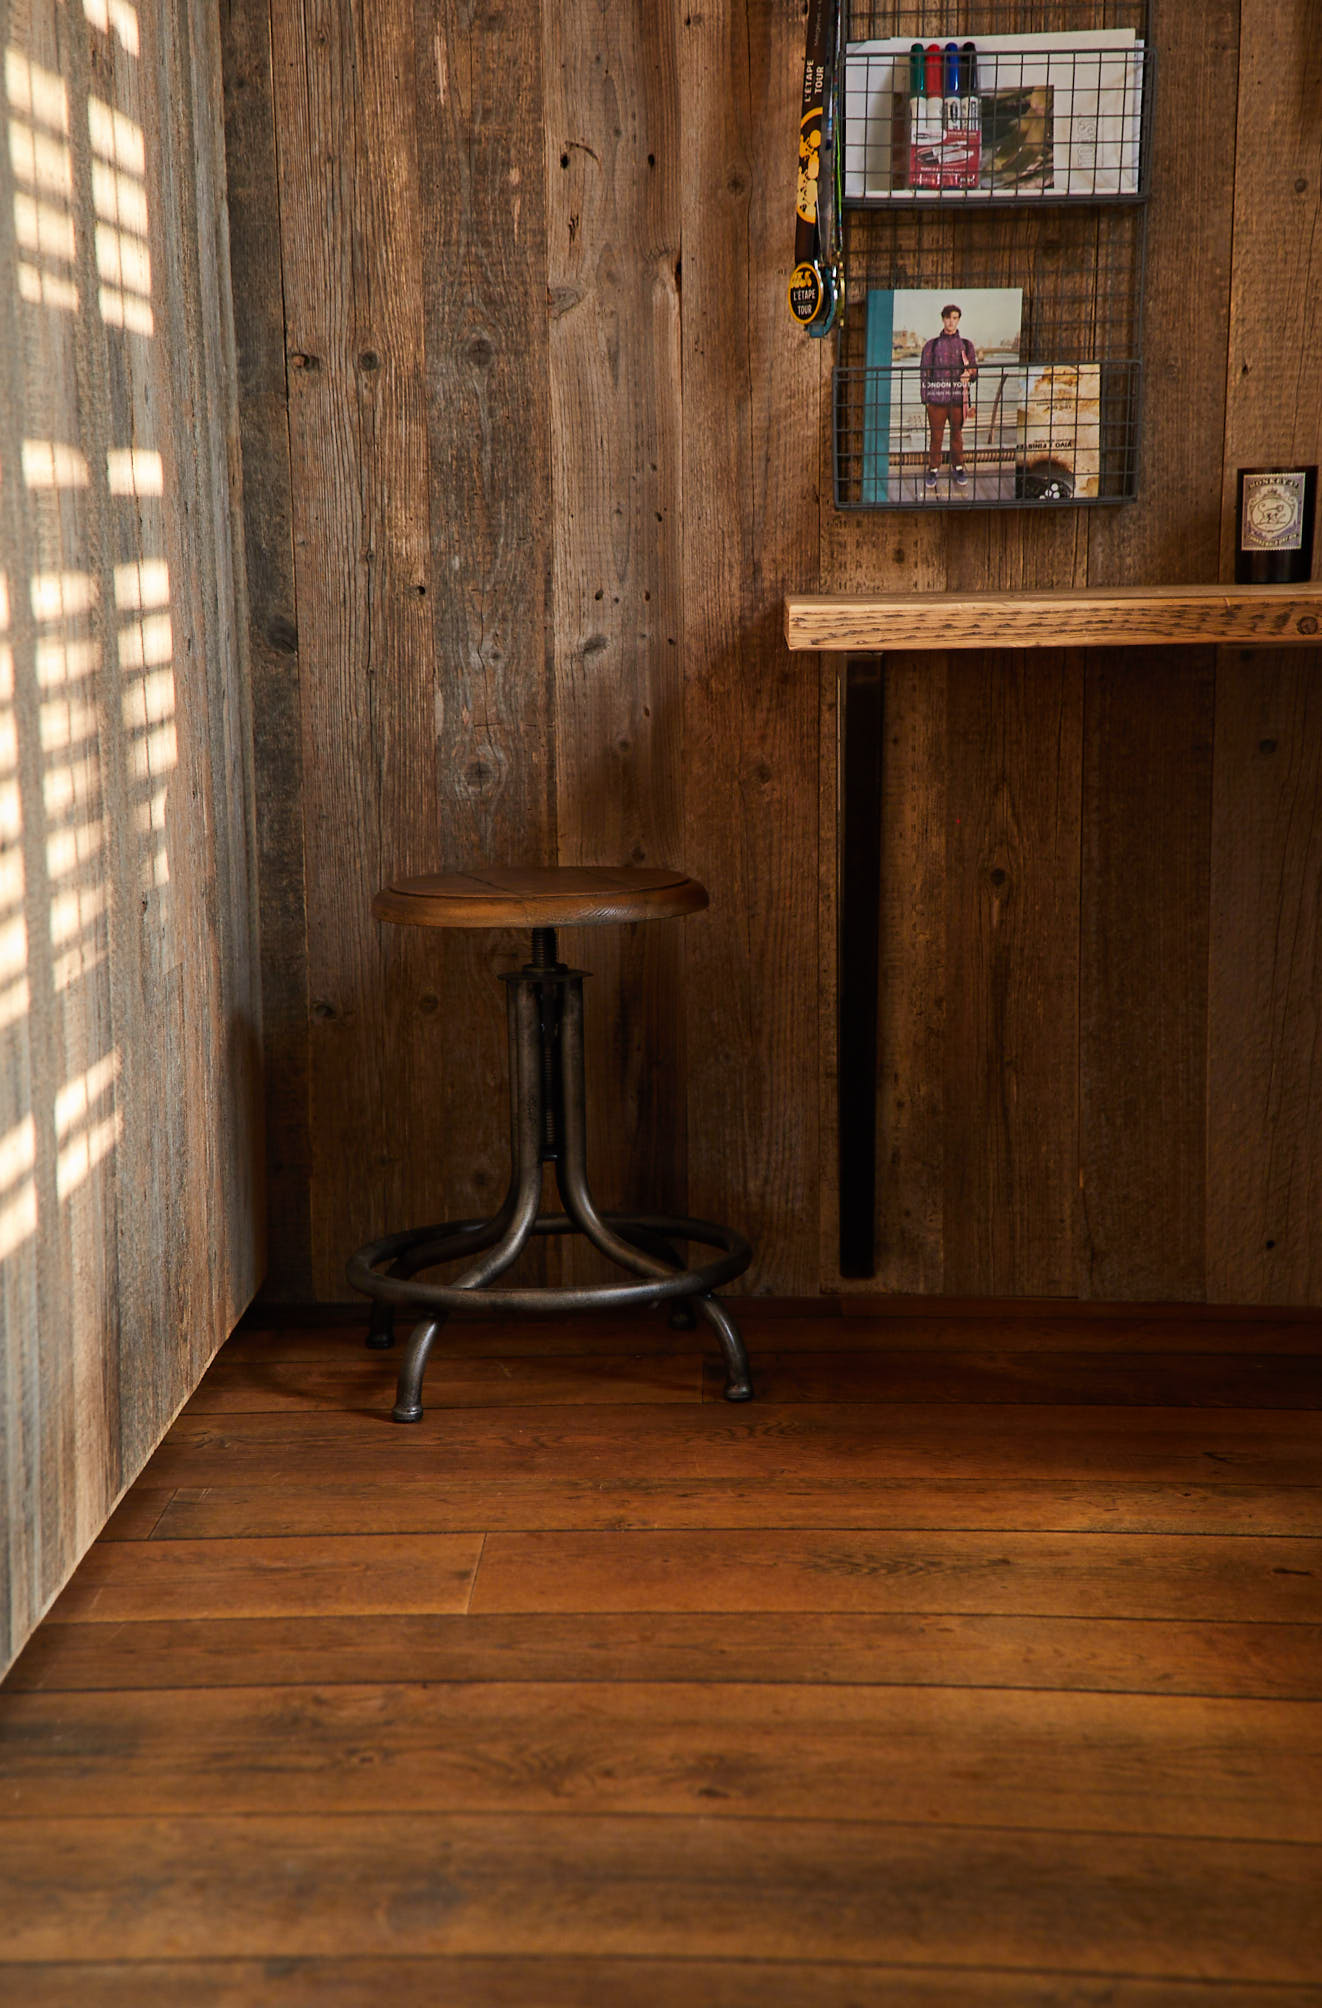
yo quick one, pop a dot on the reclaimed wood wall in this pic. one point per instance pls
(1099, 1033)
(545, 466)
(533, 453)
(130, 1149)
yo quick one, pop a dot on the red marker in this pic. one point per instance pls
(932, 84)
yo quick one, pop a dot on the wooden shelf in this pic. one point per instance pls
(1113, 617)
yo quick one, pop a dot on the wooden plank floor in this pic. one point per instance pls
(977, 1664)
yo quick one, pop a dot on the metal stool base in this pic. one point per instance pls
(547, 1123)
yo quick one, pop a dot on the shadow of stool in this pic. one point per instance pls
(547, 1123)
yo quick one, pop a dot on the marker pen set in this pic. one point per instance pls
(944, 127)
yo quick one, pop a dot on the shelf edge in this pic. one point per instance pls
(1119, 617)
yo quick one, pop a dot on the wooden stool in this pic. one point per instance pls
(545, 1008)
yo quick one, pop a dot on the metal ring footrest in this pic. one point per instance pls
(450, 1241)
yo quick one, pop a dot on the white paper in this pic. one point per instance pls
(1096, 78)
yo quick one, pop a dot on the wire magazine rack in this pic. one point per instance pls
(1017, 193)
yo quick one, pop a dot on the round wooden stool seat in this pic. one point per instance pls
(539, 896)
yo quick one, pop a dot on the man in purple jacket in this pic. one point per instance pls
(949, 365)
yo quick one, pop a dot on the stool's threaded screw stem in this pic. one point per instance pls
(543, 948)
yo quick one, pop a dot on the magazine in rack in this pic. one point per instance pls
(902, 326)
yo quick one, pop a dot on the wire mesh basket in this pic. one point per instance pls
(989, 361)
(1049, 434)
(1002, 119)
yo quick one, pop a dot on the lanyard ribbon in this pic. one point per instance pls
(815, 282)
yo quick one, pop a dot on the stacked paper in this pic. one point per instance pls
(1093, 82)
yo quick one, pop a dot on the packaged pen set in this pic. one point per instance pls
(944, 123)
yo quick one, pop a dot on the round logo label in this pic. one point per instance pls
(1273, 512)
(806, 294)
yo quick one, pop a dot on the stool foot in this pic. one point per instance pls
(738, 1380)
(408, 1394)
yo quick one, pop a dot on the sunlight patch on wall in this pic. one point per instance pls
(146, 655)
(50, 463)
(42, 166)
(135, 470)
(61, 595)
(119, 197)
(145, 583)
(69, 729)
(86, 1129)
(114, 17)
(14, 998)
(60, 661)
(18, 1186)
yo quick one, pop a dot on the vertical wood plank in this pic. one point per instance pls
(1271, 410)
(28, 1052)
(857, 946)
(913, 1004)
(221, 963)
(78, 791)
(1263, 1108)
(350, 228)
(163, 954)
(1172, 531)
(390, 364)
(829, 805)
(613, 174)
(1264, 1036)
(254, 212)
(1012, 974)
(1143, 974)
(1143, 988)
(750, 718)
(483, 242)
(241, 1080)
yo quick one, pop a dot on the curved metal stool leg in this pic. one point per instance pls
(521, 1202)
(408, 1394)
(571, 1174)
(738, 1379)
(473, 1237)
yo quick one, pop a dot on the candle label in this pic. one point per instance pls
(1273, 514)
